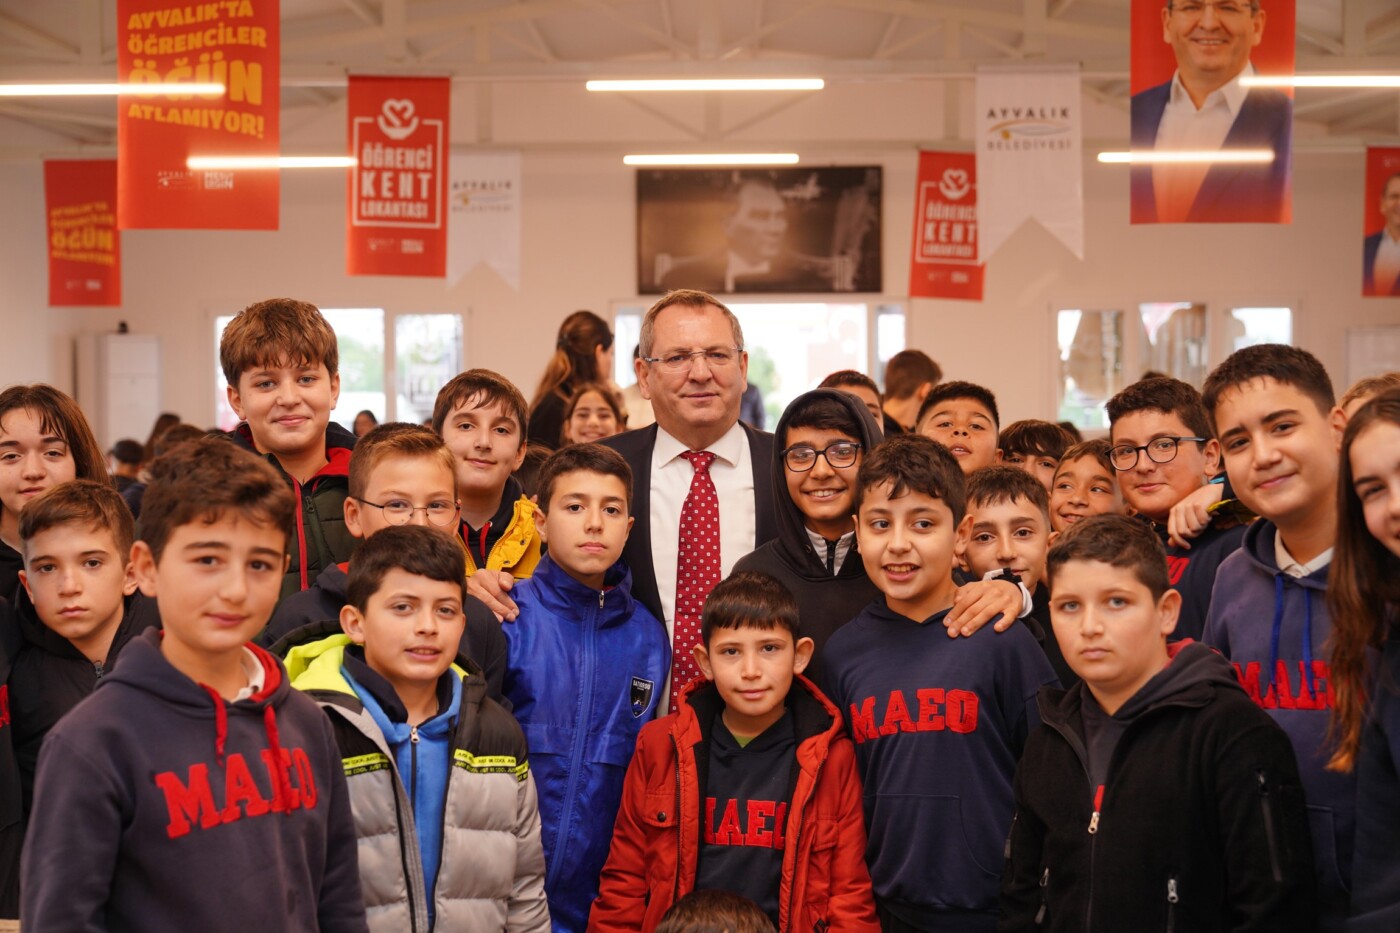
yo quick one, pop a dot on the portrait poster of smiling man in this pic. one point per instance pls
(1193, 64)
(792, 230)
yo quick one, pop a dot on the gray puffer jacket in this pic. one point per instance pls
(491, 876)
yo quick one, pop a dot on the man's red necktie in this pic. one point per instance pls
(697, 569)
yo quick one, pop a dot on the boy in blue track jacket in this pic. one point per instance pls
(443, 802)
(586, 665)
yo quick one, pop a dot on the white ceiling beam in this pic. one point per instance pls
(991, 19)
(1324, 42)
(1033, 36)
(1116, 100)
(987, 39)
(485, 93)
(90, 32)
(710, 31)
(910, 40)
(531, 48)
(767, 114)
(667, 23)
(952, 90)
(315, 37)
(1332, 100)
(1353, 27)
(364, 11)
(752, 40)
(1383, 28)
(533, 30)
(663, 116)
(1059, 7)
(886, 37)
(36, 39)
(633, 24)
(50, 115)
(395, 15)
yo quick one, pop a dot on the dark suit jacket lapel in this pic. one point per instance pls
(636, 448)
(761, 453)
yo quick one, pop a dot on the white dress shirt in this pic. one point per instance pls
(732, 473)
(253, 670)
(1290, 566)
(1387, 265)
(1184, 126)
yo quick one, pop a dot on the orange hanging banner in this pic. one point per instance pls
(944, 264)
(85, 258)
(399, 133)
(229, 42)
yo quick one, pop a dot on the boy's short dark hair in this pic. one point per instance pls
(1116, 540)
(1166, 395)
(594, 458)
(822, 414)
(712, 911)
(80, 502)
(1097, 448)
(914, 463)
(749, 600)
(907, 370)
(395, 439)
(128, 452)
(846, 378)
(487, 388)
(997, 484)
(414, 549)
(200, 480)
(279, 330)
(528, 476)
(1287, 365)
(1033, 438)
(941, 393)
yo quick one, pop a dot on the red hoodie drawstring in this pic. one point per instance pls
(283, 790)
(220, 723)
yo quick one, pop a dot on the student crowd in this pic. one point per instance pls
(892, 667)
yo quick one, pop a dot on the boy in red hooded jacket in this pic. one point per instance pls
(750, 786)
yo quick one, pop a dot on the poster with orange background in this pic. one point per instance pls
(85, 261)
(230, 42)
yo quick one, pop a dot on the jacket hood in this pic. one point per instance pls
(144, 668)
(1258, 545)
(339, 445)
(562, 595)
(138, 613)
(1190, 679)
(815, 719)
(315, 667)
(793, 544)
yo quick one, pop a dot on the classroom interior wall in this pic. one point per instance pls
(578, 248)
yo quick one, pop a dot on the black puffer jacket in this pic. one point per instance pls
(1200, 824)
(320, 538)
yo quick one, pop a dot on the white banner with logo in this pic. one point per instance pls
(483, 215)
(1029, 161)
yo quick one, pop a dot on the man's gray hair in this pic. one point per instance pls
(690, 297)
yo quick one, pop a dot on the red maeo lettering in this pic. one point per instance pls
(763, 826)
(1176, 568)
(191, 802)
(1280, 694)
(936, 710)
(4, 706)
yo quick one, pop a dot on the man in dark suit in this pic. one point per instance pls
(693, 368)
(1384, 245)
(1204, 107)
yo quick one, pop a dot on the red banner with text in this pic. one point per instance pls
(229, 42)
(945, 264)
(85, 258)
(398, 191)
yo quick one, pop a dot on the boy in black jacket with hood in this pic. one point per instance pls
(195, 789)
(1155, 795)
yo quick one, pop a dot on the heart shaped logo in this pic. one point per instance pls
(397, 119)
(954, 185)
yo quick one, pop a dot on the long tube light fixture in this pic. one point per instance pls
(269, 162)
(713, 158)
(1378, 81)
(109, 90)
(1183, 156)
(710, 84)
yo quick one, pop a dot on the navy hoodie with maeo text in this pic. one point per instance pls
(161, 807)
(1274, 629)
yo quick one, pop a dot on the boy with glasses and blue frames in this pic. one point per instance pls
(1163, 450)
(400, 474)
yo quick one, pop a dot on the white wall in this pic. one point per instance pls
(579, 236)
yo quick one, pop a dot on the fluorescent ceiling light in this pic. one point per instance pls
(711, 84)
(1152, 156)
(109, 90)
(714, 158)
(251, 162)
(1320, 81)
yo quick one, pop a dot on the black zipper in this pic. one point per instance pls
(98, 669)
(1267, 805)
(413, 765)
(1173, 897)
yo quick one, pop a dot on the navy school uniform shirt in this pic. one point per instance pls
(1375, 892)
(938, 725)
(161, 807)
(1191, 571)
